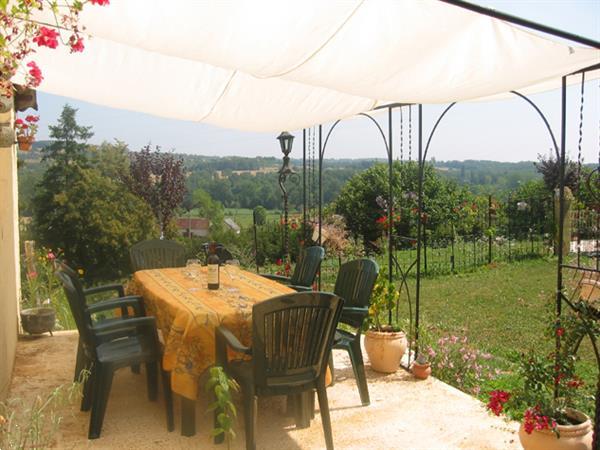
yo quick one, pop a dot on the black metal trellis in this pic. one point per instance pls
(559, 150)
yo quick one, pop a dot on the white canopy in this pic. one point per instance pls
(272, 65)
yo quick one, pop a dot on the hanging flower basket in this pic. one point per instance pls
(25, 142)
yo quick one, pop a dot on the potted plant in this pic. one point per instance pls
(39, 287)
(385, 344)
(26, 130)
(421, 368)
(549, 422)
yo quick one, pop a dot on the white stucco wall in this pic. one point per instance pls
(9, 260)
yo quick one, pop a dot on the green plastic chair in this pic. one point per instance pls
(111, 346)
(291, 342)
(305, 271)
(355, 283)
(156, 254)
(123, 302)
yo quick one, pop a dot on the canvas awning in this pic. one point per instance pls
(275, 65)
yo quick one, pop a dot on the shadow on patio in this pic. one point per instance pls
(404, 413)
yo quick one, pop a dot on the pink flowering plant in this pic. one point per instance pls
(455, 361)
(22, 34)
(40, 287)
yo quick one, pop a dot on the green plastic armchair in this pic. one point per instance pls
(122, 302)
(305, 271)
(291, 342)
(156, 254)
(109, 347)
(354, 283)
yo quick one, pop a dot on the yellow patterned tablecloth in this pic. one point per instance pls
(187, 314)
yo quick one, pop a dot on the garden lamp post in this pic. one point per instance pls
(285, 141)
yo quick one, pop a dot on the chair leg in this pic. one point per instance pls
(80, 362)
(166, 379)
(358, 366)
(325, 417)
(331, 368)
(102, 385)
(88, 390)
(152, 376)
(250, 417)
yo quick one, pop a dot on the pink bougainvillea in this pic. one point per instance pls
(23, 35)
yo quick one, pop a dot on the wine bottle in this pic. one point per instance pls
(213, 267)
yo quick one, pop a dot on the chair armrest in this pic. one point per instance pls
(280, 278)
(355, 310)
(352, 315)
(109, 287)
(120, 328)
(301, 288)
(225, 336)
(123, 303)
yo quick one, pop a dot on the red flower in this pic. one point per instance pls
(534, 420)
(31, 119)
(279, 261)
(32, 275)
(100, 2)
(46, 38)
(381, 220)
(76, 44)
(35, 74)
(497, 399)
(19, 122)
(51, 256)
(575, 383)
(560, 332)
(294, 225)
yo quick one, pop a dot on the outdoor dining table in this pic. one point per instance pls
(187, 313)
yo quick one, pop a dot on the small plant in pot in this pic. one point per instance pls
(421, 368)
(26, 130)
(39, 292)
(385, 344)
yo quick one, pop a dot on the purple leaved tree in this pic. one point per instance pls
(159, 179)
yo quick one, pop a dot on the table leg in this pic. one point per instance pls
(302, 406)
(188, 417)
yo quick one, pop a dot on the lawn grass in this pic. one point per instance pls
(243, 216)
(502, 308)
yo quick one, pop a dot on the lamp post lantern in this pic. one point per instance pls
(285, 141)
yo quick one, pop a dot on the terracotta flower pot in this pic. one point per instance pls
(25, 142)
(421, 371)
(385, 349)
(572, 437)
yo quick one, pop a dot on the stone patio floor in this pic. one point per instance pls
(405, 413)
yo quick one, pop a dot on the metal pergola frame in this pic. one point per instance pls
(559, 150)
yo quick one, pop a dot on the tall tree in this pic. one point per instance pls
(81, 207)
(69, 139)
(159, 179)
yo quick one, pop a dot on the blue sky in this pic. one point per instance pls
(505, 130)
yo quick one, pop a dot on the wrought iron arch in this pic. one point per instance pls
(387, 141)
